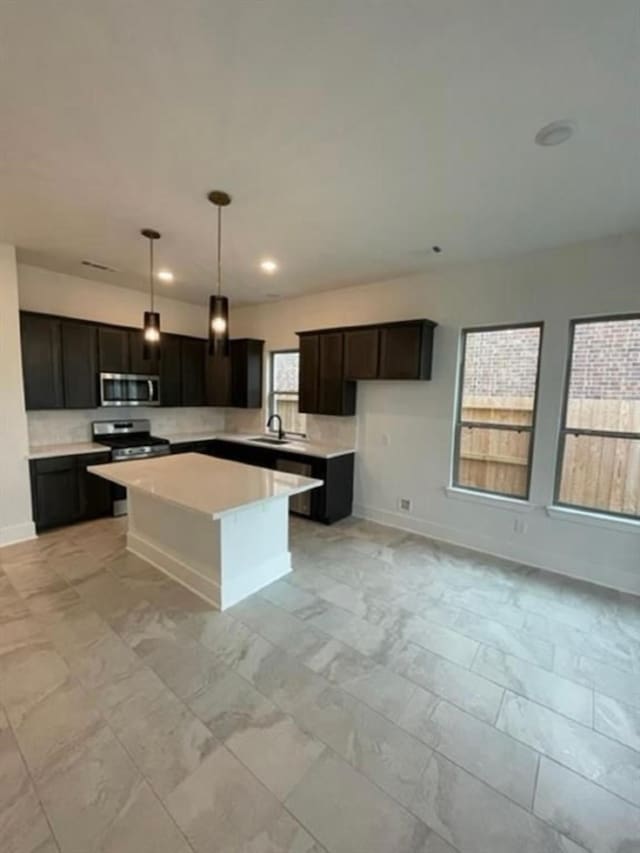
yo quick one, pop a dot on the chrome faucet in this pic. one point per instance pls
(280, 430)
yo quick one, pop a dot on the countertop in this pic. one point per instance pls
(46, 451)
(319, 449)
(205, 484)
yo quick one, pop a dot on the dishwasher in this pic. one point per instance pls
(300, 504)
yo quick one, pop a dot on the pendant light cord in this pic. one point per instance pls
(151, 271)
(219, 250)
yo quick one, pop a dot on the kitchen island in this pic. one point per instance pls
(219, 528)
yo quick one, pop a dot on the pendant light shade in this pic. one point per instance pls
(219, 304)
(151, 321)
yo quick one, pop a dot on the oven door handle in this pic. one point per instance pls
(150, 389)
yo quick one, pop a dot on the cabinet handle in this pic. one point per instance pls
(150, 388)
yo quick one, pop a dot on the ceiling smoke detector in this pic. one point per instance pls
(555, 133)
(98, 266)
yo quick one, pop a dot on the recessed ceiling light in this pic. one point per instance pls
(556, 133)
(269, 266)
(436, 249)
(165, 275)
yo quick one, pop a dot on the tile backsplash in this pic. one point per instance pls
(63, 426)
(338, 431)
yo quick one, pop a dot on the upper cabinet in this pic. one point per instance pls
(41, 361)
(332, 360)
(113, 349)
(62, 358)
(79, 365)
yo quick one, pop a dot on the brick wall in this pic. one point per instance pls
(501, 363)
(606, 361)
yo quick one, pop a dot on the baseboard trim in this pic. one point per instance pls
(17, 533)
(487, 545)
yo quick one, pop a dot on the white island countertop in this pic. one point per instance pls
(205, 484)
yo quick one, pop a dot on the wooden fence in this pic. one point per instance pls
(597, 472)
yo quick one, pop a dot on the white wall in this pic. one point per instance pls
(71, 296)
(15, 497)
(592, 278)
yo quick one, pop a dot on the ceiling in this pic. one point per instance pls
(353, 136)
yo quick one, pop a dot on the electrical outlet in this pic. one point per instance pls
(519, 525)
(404, 504)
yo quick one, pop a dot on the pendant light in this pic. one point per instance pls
(219, 304)
(151, 323)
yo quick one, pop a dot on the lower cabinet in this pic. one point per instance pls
(64, 492)
(326, 504)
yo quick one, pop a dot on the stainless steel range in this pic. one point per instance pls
(128, 439)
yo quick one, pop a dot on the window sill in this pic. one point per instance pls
(495, 501)
(594, 519)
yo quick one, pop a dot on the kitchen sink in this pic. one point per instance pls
(268, 440)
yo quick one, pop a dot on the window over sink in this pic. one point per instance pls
(284, 374)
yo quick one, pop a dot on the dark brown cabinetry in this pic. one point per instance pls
(309, 364)
(113, 349)
(41, 361)
(137, 362)
(361, 350)
(63, 357)
(64, 492)
(171, 371)
(335, 395)
(192, 371)
(332, 360)
(79, 365)
(406, 350)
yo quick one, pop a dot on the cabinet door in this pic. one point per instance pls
(113, 349)
(309, 373)
(361, 353)
(331, 374)
(80, 365)
(193, 364)
(400, 351)
(218, 380)
(170, 370)
(55, 496)
(94, 492)
(246, 373)
(41, 361)
(138, 363)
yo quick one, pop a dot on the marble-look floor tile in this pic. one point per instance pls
(86, 790)
(591, 816)
(23, 826)
(19, 633)
(459, 686)
(227, 640)
(276, 750)
(562, 695)
(337, 662)
(513, 641)
(62, 719)
(416, 716)
(102, 661)
(185, 667)
(494, 757)
(476, 819)
(27, 675)
(347, 813)
(382, 751)
(277, 625)
(605, 761)
(288, 596)
(617, 720)
(129, 697)
(383, 690)
(603, 677)
(168, 744)
(230, 705)
(217, 795)
(143, 826)
(485, 605)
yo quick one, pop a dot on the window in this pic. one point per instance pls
(497, 409)
(599, 452)
(283, 391)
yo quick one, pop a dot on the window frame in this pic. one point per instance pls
(565, 430)
(273, 392)
(460, 424)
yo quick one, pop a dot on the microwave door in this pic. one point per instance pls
(113, 391)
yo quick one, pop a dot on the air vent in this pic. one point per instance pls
(97, 266)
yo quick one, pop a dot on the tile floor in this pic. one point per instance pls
(392, 695)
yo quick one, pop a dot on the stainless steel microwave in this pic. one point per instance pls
(129, 389)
